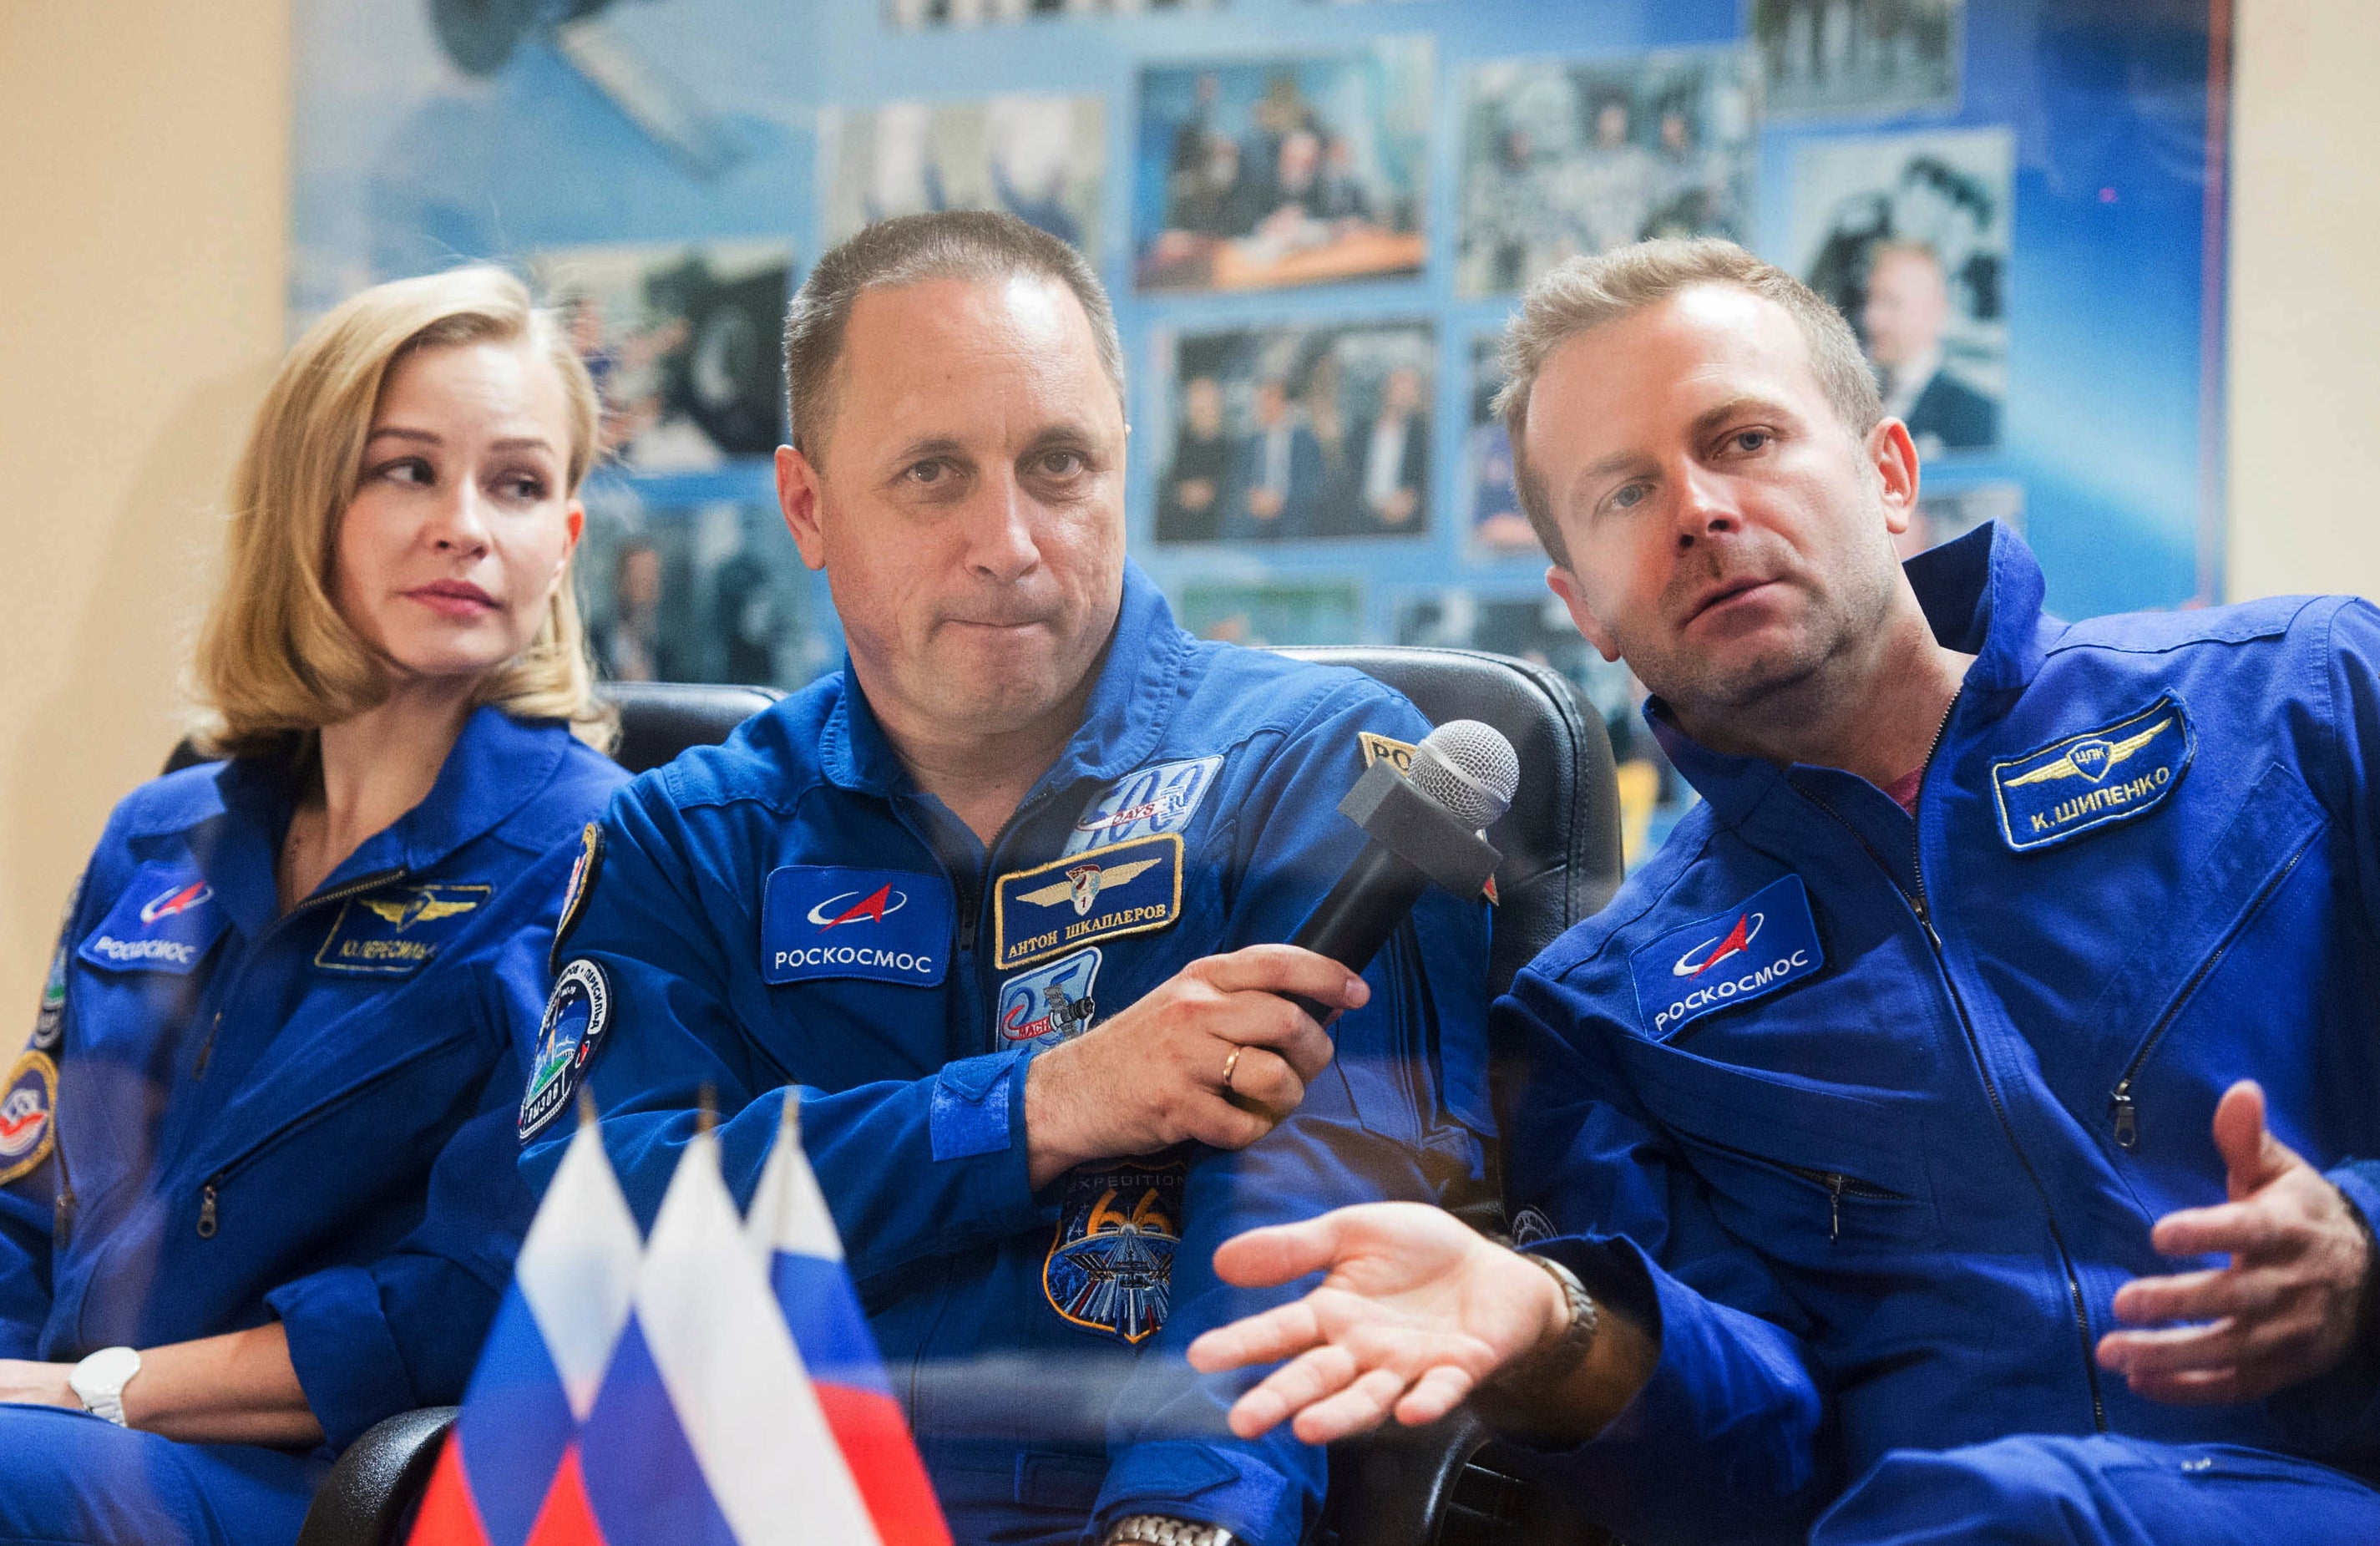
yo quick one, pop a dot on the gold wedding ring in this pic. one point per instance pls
(1231, 1066)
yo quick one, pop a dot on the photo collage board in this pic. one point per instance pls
(1315, 219)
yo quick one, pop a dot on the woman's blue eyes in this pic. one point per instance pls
(419, 473)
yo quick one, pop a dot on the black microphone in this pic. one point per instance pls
(1421, 827)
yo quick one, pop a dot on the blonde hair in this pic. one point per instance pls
(275, 660)
(1586, 293)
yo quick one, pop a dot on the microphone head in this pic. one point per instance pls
(1469, 768)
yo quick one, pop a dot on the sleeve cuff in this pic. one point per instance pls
(340, 1345)
(1767, 1460)
(2336, 1415)
(977, 1106)
(1203, 1484)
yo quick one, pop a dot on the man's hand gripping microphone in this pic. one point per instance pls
(1420, 827)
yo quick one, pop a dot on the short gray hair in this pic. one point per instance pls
(1584, 293)
(910, 249)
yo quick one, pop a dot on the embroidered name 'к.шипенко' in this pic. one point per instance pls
(2087, 781)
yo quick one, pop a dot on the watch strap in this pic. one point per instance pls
(1158, 1530)
(1549, 1363)
(103, 1397)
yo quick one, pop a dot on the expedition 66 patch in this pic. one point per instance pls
(2086, 780)
(1110, 1264)
(827, 920)
(1124, 888)
(1746, 952)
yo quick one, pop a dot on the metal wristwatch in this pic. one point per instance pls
(1546, 1367)
(98, 1381)
(1157, 1530)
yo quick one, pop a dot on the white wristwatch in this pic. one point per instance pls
(1158, 1529)
(99, 1381)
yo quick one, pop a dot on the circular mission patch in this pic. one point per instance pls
(575, 1015)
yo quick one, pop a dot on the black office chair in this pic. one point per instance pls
(1561, 840)
(1446, 1485)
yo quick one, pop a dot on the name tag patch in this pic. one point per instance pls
(576, 1014)
(826, 920)
(1110, 1263)
(164, 921)
(396, 931)
(1122, 888)
(1052, 1000)
(2086, 780)
(1144, 803)
(1744, 953)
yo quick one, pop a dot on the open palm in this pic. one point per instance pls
(1414, 1312)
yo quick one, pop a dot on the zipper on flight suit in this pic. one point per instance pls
(1915, 899)
(2122, 1109)
(1838, 1184)
(1838, 1187)
(207, 1221)
(969, 907)
(63, 1210)
(363, 883)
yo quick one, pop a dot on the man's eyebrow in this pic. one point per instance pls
(1710, 418)
(933, 446)
(1077, 435)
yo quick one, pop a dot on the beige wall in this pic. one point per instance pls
(2305, 315)
(143, 147)
(143, 152)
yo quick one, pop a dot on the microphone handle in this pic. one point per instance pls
(1352, 923)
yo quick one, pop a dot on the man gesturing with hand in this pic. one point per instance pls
(2291, 1304)
(999, 903)
(1963, 1128)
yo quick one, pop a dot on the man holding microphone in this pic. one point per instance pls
(1954, 1133)
(1002, 900)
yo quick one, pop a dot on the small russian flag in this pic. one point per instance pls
(794, 1239)
(706, 1431)
(509, 1474)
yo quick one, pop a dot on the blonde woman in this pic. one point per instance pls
(256, 1183)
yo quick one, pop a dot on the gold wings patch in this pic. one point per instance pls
(2064, 768)
(420, 907)
(1113, 875)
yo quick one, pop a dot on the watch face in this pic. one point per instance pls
(106, 1372)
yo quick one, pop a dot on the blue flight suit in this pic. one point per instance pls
(1872, 1117)
(306, 1117)
(791, 909)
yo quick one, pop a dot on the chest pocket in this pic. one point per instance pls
(1810, 1174)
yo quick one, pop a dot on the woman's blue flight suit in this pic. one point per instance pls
(229, 1116)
